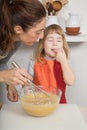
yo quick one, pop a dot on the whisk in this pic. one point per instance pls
(35, 87)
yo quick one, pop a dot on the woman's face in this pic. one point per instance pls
(33, 34)
(52, 44)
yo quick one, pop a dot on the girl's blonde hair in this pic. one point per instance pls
(54, 28)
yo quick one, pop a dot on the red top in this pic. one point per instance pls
(59, 79)
(48, 74)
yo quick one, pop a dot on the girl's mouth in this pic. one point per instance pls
(55, 50)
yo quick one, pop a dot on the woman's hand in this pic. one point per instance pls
(12, 94)
(14, 76)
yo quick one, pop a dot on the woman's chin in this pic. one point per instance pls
(29, 43)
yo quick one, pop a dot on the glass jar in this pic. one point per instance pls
(73, 24)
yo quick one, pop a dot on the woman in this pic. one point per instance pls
(20, 20)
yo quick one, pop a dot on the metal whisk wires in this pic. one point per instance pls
(35, 87)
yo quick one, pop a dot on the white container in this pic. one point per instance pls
(73, 24)
(73, 20)
(51, 20)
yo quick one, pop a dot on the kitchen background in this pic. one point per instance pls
(78, 52)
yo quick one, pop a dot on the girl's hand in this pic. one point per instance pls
(15, 76)
(61, 56)
(12, 94)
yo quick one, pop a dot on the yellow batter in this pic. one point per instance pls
(39, 104)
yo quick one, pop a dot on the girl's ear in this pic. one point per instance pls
(18, 29)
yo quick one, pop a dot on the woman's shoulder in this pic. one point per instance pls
(31, 61)
(31, 66)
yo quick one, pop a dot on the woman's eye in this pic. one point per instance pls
(39, 32)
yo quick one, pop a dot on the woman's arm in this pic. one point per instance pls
(14, 76)
(12, 93)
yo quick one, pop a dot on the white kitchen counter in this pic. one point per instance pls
(83, 110)
(66, 117)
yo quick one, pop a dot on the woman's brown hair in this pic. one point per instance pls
(51, 29)
(25, 13)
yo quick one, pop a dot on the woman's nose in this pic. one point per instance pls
(41, 35)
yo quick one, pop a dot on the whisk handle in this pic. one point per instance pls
(15, 64)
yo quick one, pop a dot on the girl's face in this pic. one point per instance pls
(52, 44)
(33, 34)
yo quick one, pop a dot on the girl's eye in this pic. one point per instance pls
(58, 40)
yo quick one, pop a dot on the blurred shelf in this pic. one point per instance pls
(76, 38)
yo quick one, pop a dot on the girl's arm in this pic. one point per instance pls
(68, 75)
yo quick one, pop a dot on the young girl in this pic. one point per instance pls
(51, 69)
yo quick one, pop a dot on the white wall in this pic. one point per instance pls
(78, 92)
(80, 7)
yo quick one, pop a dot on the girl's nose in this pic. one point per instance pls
(55, 43)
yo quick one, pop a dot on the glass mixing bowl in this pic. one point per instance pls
(37, 103)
